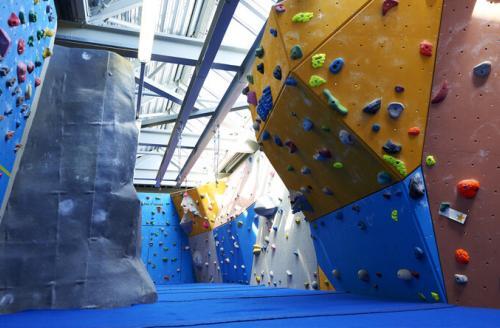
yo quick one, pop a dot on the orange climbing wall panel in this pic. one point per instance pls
(355, 180)
(274, 55)
(205, 198)
(382, 52)
(328, 17)
(324, 283)
(463, 134)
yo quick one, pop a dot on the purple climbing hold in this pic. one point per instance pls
(395, 109)
(399, 89)
(373, 107)
(307, 124)
(4, 43)
(322, 154)
(252, 98)
(441, 93)
(291, 81)
(391, 148)
(277, 73)
(292, 147)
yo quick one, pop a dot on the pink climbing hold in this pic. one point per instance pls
(252, 98)
(38, 81)
(31, 67)
(22, 69)
(21, 46)
(13, 20)
(4, 43)
(426, 48)
(388, 5)
(9, 135)
(280, 8)
(441, 94)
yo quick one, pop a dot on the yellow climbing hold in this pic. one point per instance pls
(394, 215)
(318, 60)
(430, 161)
(435, 296)
(49, 32)
(46, 53)
(257, 278)
(316, 81)
(302, 17)
(399, 165)
(422, 296)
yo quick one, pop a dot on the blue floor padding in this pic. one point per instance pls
(251, 306)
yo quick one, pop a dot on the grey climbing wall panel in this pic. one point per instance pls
(70, 234)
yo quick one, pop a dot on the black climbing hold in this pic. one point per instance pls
(259, 52)
(356, 208)
(373, 107)
(336, 65)
(376, 127)
(291, 82)
(260, 68)
(417, 186)
(296, 52)
(483, 69)
(273, 32)
(362, 225)
(4, 71)
(277, 72)
(305, 170)
(387, 194)
(391, 148)
(395, 109)
(419, 253)
(245, 90)
(10, 83)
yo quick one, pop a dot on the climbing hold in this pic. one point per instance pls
(399, 89)
(273, 32)
(314, 284)
(336, 273)
(346, 138)
(468, 188)
(388, 5)
(289, 273)
(325, 128)
(292, 147)
(28, 92)
(416, 186)
(259, 52)
(22, 18)
(296, 252)
(363, 275)
(394, 215)
(291, 81)
(334, 103)
(244, 92)
(435, 296)
(426, 48)
(318, 60)
(252, 98)
(21, 46)
(22, 70)
(399, 165)
(279, 8)
(462, 256)
(296, 52)
(373, 107)
(376, 127)
(32, 16)
(250, 79)
(256, 125)
(430, 160)
(336, 65)
(441, 94)
(13, 20)
(260, 68)
(290, 168)
(8, 135)
(419, 253)
(265, 104)
(307, 124)
(4, 71)
(395, 109)
(414, 131)
(362, 225)
(391, 148)
(302, 17)
(4, 43)
(257, 279)
(46, 53)
(461, 279)
(327, 191)
(277, 72)
(305, 170)
(483, 69)
(277, 141)
(322, 154)
(49, 32)
(338, 165)
(257, 249)
(266, 135)
(404, 274)
(383, 178)
(316, 81)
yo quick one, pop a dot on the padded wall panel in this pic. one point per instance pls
(165, 245)
(379, 234)
(463, 133)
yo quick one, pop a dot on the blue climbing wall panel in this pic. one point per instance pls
(23, 41)
(382, 234)
(234, 244)
(165, 247)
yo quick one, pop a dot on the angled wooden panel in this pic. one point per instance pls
(356, 179)
(381, 53)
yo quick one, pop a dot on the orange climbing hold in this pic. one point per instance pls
(462, 256)
(468, 188)
(426, 48)
(414, 131)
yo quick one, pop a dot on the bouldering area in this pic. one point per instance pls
(249, 163)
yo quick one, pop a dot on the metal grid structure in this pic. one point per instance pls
(182, 30)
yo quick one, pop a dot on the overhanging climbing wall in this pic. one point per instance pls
(27, 29)
(165, 249)
(350, 117)
(463, 133)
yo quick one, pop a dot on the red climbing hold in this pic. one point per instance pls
(21, 45)
(426, 48)
(13, 20)
(388, 5)
(21, 72)
(38, 81)
(4, 43)
(462, 256)
(9, 135)
(441, 94)
(31, 67)
(292, 147)
(468, 188)
(414, 131)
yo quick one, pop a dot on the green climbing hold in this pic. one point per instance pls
(259, 52)
(32, 17)
(435, 296)
(316, 81)
(325, 128)
(40, 34)
(302, 17)
(289, 168)
(165, 259)
(338, 165)
(22, 18)
(430, 161)
(318, 60)
(334, 103)
(296, 52)
(422, 296)
(394, 215)
(399, 165)
(31, 41)
(250, 79)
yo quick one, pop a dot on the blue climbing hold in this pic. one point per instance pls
(373, 107)
(336, 65)
(399, 89)
(419, 253)
(265, 104)
(383, 178)
(376, 127)
(305, 170)
(345, 137)
(307, 124)
(391, 148)
(266, 135)
(277, 140)
(291, 82)
(273, 32)
(483, 69)
(277, 72)
(395, 109)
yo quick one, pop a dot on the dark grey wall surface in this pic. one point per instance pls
(70, 234)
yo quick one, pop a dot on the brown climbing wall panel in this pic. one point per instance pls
(380, 53)
(356, 179)
(463, 133)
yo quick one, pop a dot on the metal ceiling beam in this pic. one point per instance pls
(232, 94)
(159, 89)
(113, 9)
(167, 48)
(220, 23)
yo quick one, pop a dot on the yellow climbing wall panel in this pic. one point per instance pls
(274, 55)
(324, 283)
(380, 53)
(328, 17)
(205, 199)
(356, 179)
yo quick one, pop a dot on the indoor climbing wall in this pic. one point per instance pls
(27, 31)
(462, 146)
(383, 245)
(349, 118)
(204, 254)
(165, 249)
